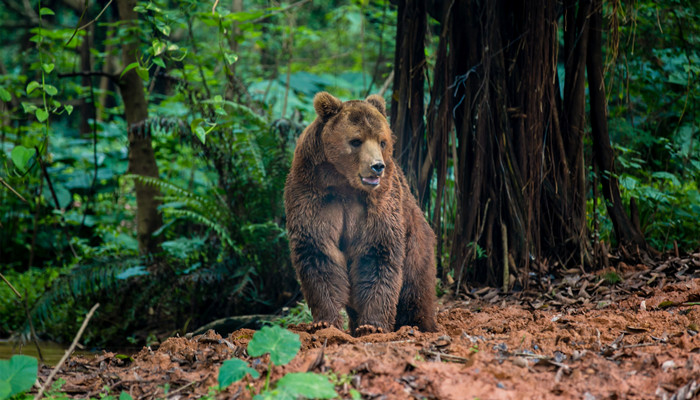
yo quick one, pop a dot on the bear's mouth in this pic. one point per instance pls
(371, 181)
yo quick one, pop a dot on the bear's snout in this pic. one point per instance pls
(378, 167)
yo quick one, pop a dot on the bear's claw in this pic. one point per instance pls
(317, 326)
(363, 330)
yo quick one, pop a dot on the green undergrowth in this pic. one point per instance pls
(18, 374)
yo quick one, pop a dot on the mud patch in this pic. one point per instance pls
(584, 338)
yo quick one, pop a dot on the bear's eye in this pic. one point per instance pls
(383, 144)
(356, 143)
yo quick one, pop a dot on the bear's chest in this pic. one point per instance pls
(352, 222)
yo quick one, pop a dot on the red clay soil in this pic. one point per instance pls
(586, 338)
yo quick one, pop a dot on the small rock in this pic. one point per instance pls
(643, 305)
(670, 364)
(588, 396)
(500, 385)
(521, 362)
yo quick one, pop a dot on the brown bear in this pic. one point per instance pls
(357, 236)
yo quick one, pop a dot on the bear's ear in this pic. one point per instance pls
(378, 102)
(326, 105)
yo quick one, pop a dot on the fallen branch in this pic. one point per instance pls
(68, 352)
(445, 357)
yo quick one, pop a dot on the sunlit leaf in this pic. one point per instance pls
(282, 344)
(31, 86)
(5, 95)
(41, 114)
(129, 68)
(50, 90)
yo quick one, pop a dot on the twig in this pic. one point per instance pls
(181, 388)
(7, 185)
(68, 352)
(89, 23)
(29, 318)
(55, 199)
(446, 357)
(386, 83)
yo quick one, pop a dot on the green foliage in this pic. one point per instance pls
(17, 375)
(234, 370)
(282, 346)
(654, 122)
(298, 314)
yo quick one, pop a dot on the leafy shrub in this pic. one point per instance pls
(282, 346)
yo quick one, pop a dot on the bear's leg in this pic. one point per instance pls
(321, 268)
(352, 318)
(417, 300)
(375, 294)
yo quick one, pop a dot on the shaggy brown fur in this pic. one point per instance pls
(357, 236)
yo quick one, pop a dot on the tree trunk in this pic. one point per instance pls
(407, 98)
(626, 232)
(141, 156)
(564, 191)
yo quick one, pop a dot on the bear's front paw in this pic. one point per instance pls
(363, 330)
(317, 326)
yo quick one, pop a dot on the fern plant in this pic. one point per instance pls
(179, 203)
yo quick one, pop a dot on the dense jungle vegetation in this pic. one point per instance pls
(145, 145)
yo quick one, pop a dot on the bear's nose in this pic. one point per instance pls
(378, 167)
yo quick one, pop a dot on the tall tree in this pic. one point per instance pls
(407, 101)
(520, 172)
(141, 156)
(628, 234)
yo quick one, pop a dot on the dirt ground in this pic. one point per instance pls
(587, 338)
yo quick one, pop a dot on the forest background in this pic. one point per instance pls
(144, 145)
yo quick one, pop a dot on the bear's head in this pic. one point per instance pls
(356, 139)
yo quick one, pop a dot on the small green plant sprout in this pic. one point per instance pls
(612, 277)
(282, 346)
(17, 375)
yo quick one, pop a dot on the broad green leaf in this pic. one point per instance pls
(5, 95)
(45, 11)
(18, 373)
(201, 133)
(47, 67)
(142, 72)
(158, 47)
(159, 62)
(31, 86)
(5, 390)
(41, 114)
(198, 130)
(230, 57)
(282, 344)
(69, 108)
(307, 384)
(20, 157)
(125, 396)
(28, 107)
(234, 370)
(129, 68)
(50, 90)
(163, 27)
